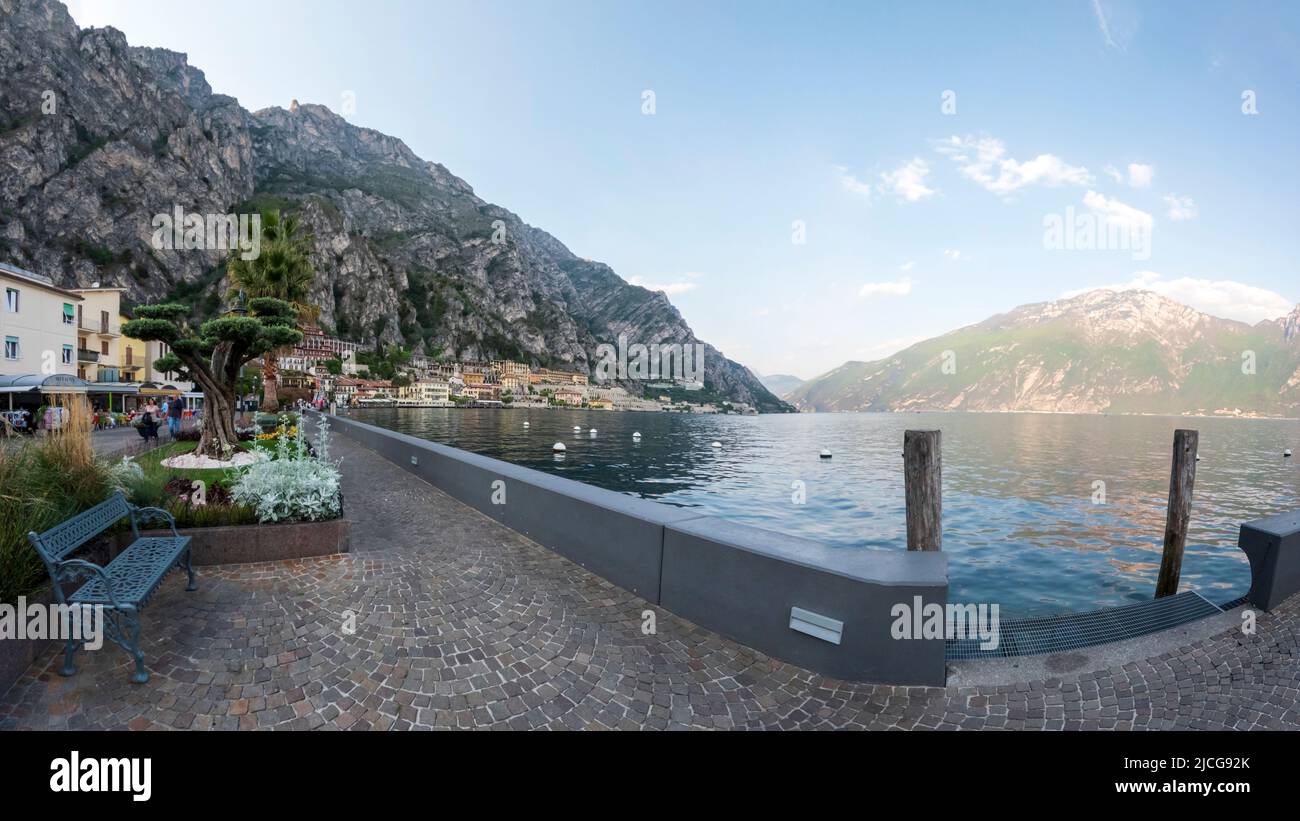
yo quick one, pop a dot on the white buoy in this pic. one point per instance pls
(593, 431)
(716, 445)
(1286, 452)
(636, 434)
(826, 454)
(577, 428)
(525, 424)
(559, 447)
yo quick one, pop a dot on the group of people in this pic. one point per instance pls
(151, 415)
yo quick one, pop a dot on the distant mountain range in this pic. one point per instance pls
(98, 136)
(1102, 351)
(780, 383)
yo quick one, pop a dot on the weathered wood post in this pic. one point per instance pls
(1181, 478)
(923, 484)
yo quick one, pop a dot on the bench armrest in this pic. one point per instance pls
(94, 570)
(139, 514)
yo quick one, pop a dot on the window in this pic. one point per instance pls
(11, 300)
(103, 348)
(67, 354)
(69, 316)
(11, 347)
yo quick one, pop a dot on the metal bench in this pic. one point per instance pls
(125, 584)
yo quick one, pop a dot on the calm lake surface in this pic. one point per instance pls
(1020, 525)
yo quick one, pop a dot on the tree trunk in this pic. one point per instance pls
(270, 372)
(218, 438)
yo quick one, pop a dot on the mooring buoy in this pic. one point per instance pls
(559, 447)
(1286, 452)
(592, 431)
(716, 445)
(825, 454)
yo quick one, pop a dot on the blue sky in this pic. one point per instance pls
(916, 221)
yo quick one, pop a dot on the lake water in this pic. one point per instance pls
(1020, 524)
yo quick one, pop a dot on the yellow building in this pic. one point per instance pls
(137, 358)
(99, 333)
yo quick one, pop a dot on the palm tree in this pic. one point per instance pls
(282, 270)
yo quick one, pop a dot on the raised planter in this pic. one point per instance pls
(243, 544)
(16, 655)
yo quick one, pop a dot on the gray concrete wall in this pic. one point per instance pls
(1273, 547)
(737, 580)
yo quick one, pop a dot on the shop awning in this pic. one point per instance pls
(42, 383)
(157, 389)
(113, 387)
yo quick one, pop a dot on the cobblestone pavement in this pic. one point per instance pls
(462, 623)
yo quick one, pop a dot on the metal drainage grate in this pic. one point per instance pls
(1070, 631)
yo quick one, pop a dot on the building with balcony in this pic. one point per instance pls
(37, 324)
(99, 333)
(426, 393)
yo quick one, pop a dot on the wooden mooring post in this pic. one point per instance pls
(923, 486)
(1181, 478)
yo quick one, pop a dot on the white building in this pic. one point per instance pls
(426, 393)
(38, 324)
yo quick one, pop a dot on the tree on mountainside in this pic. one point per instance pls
(282, 270)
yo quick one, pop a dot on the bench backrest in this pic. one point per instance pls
(55, 544)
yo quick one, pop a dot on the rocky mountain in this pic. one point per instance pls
(1102, 351)
(780, 383)
(97, 137)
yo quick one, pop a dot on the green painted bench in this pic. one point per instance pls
(125, 584)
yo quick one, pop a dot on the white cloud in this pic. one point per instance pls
(907, 266)
(1138, 175)
(901, 287)
(1180, 208)
(1223, 298)
(1103, 23)
(954, 255)
(1114, 211)
(984, 160)
(1117, 21)
(852, 184)
(669, 288)
(908, 181)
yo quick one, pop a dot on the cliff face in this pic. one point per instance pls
(1123, 352)
(404, 250)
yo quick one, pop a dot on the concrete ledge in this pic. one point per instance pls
(616, 536)
(739, 581)
(744, 581)
(1273, 547)
(242, 544)
(16, 655)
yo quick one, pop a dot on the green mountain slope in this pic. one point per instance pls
(1103, 351)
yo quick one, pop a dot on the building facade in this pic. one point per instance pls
(37, 324)
(99, 334)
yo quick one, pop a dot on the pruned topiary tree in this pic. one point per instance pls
(212, 354)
